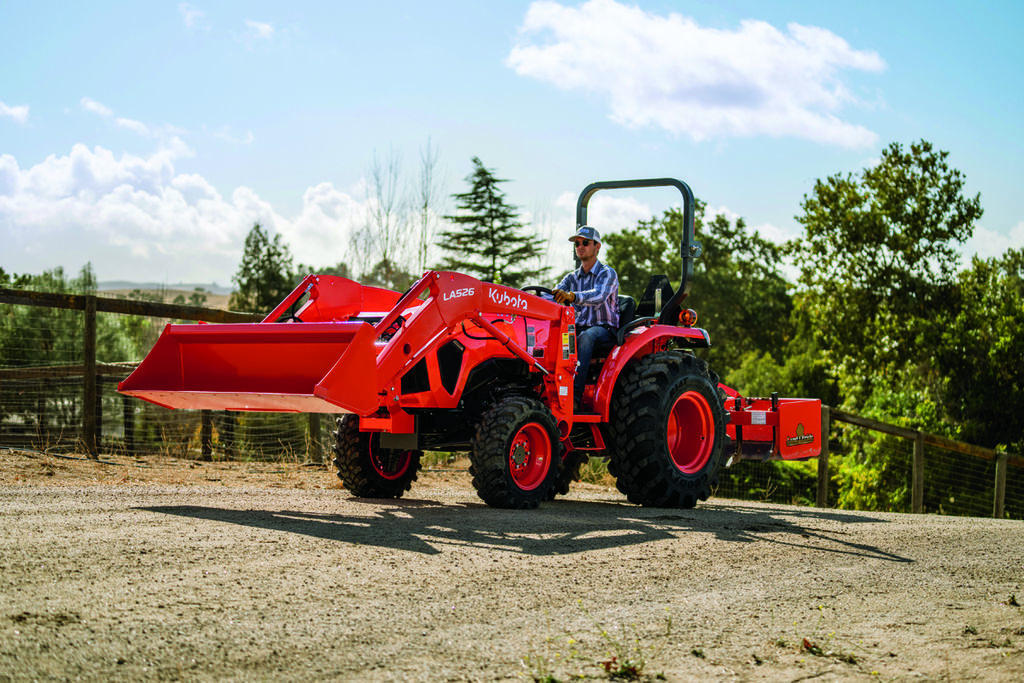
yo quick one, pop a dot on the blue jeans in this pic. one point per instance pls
(591, 339)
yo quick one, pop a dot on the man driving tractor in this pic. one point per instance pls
(593, 290)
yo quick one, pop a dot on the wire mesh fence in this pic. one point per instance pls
(872, 471)
(45, 414)
(44, 367)
(42, 407)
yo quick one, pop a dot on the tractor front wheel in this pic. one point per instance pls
(668, 431)
(515, 454)
(366, 469)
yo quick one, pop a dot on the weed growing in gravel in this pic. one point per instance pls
(541, 666)
(820, 642)
(624, 656)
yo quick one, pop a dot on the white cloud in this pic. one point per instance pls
(19, 113)
(319, 235)
(136, 217)
(227, 134)
(608, 212)
(985, 243)
(259, 30)
(671, 73)
(769, 231)
(91, 105)
(605, 211)
(168, 133)
(193, 17)
(132, 125)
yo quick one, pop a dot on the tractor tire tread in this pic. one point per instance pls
(356, 472)
(489, 454)
(640, 461)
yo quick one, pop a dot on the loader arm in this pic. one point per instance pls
(345, 349)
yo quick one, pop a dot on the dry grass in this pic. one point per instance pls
(36, 467)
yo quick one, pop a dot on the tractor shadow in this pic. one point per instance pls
(561, 527)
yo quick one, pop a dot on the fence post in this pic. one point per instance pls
(89, 380)
(1000, 497)
(917, 495)
(826, 428)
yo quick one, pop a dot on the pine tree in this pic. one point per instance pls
(489, 241)
(265, 274)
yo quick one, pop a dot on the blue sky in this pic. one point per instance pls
(147, 138)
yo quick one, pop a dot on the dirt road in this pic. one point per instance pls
(214, 573)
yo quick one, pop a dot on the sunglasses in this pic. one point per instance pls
(583, 243)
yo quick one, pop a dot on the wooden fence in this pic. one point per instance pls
(919, 439)
(91, 372)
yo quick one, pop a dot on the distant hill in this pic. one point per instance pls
(124, 285)
(216, 296)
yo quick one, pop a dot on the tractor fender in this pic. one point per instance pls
(637, 344)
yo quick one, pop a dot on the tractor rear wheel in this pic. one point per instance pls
(366, 469)
(668, 431)
(515, 454)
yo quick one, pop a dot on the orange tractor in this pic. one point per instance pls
(459, 364)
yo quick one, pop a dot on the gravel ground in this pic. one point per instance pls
(169, 570)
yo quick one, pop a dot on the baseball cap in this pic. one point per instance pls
(587, 232)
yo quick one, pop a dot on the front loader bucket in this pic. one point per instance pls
(290, 367)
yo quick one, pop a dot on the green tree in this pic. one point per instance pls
(889, 311)
(13, 280)
(39, 336)
(738, 290)
(488, 240)
(389, 275)
(879, 258)
(264, 276)
(979, 350)
(197, 297)
(340, 269)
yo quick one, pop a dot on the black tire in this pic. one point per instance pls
(515, 454)
(569, 472)
(366, 469)
(667, 431)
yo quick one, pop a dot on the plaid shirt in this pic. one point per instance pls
(597, 295)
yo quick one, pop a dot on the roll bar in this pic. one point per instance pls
(689, 247)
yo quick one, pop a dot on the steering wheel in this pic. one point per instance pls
(538, 289)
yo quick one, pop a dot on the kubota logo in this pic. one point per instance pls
(457, 294)
(504, 299)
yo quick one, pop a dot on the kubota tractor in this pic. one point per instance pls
(459, 364)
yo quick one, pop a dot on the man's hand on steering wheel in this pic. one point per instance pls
(563, 297)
